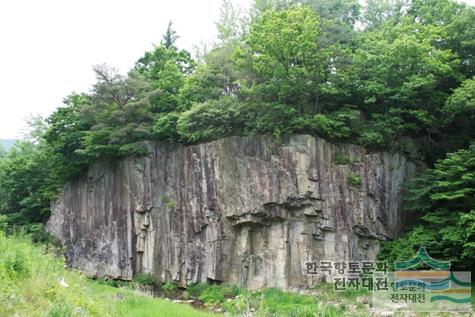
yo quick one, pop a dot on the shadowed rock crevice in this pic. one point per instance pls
(243, 210)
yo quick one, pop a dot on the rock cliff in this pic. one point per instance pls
(243, 210)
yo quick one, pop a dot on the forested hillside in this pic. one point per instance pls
(390, 75)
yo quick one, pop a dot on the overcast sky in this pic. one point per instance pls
(48, 47)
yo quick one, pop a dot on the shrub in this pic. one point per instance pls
(198, 289)
(273, 119)
(208, 121)
(195, 290)
(341, 159)
(164, 127)
(372, 139)
(212, 294)
(169, 203)
(61, 310)
(353, 179)
(338, 125)
(169, 286)
(144, 279)
(112, 282)
(243, 304)
(232, 290)
(16, 264)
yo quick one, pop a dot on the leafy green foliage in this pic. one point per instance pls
(460, 109)
(338, 125)
(353, 179)
(341, 159)
(278, 303)
(208, 121)
(24, 196)
(290, 74)
(268, 302)
(407, 69)
(145, 279)
(443, 197)
(212, 295)
(273, 119)
(29, 286)
(195, 290)
(462, 101)
(170, 286)
(164, 127)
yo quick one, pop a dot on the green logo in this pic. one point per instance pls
(432, 288)
(422, 256)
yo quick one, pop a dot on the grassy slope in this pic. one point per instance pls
(29, 286)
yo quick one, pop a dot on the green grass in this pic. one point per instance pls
(29, 286)
(145, 279)
(127, 303)
(271, 302)
(278, 303)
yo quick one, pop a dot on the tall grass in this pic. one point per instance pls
(29, 283)
(30, 286)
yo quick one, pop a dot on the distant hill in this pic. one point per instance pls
(7, 144)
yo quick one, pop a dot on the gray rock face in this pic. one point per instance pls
(242, 210)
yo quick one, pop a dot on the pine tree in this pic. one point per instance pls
(170, 36)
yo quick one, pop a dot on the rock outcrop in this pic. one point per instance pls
(243, 210)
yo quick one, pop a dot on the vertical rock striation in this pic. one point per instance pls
(243, 210)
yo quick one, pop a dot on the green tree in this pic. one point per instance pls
(461, 103)
(401, 66)
(166, 70)
(261, 6)
(284, 53)
(208, 120)
(444, 199)
(460, 39)
(25, 184)
(170, 37)
(434, 12)
(457, 19)
(377, 12)
(218, 76)
(230, 23)
(120, 116)
(64, 135)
